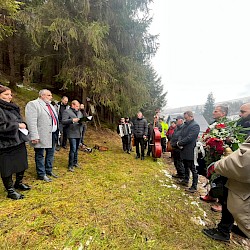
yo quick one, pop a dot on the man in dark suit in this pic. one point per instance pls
(187, 142)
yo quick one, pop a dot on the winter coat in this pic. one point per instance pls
(60, 108)
(74, 130)
(140, 128)
(9, 125)
(170, 132)
(245, 123)
(176, 136)
(164, 129)
(187, 139)
(236, 167)
(39, 122)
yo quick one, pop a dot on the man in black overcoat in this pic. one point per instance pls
(187, 142)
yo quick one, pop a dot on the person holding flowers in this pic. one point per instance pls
(236, 168)
(236, 194)
(220, 112)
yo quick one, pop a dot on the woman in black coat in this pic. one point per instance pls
(13, 153)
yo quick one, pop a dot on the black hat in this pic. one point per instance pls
(179, 117)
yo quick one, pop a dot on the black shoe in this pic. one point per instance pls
(64, 147)
(14, 195)
(191, 190)
(137, 156)
(58, 148)
(183, 183)
(142, 158)
(177, 176)
(71, 169)
(22, 187)
(128, 152)
(44, 178)
(215, 234)
(53, 175)
(236, 230)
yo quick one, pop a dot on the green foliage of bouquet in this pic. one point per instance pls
(221, 135)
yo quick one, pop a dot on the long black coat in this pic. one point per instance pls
(187, 139)
(9, 124)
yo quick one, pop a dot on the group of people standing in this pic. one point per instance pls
(234, 201)
(141, 133)
(44, 123)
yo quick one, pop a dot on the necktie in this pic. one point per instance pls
(51, 113)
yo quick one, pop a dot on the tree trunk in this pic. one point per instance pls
(11, 50)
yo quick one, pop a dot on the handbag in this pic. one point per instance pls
(133, 141)
(169, 147)
(23, 137)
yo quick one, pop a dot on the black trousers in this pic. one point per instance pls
(139, 142)
(64, 137)
(227, 219)
(164, 144)
(126, 145)
(149, 147)
(178, 162)
(189, 166)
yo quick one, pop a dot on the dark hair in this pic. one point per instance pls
(3, 88)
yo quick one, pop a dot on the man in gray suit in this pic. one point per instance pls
(42, 121)
(71, 119)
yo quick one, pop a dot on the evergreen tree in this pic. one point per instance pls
(86, 49)
(8, 10)
(157, 97)
(198, 110)
(208, 108)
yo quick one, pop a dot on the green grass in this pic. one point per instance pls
(114, 202)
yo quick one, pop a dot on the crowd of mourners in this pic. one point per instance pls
(231, 187)
(49, 126)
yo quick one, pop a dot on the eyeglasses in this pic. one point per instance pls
(243, 111)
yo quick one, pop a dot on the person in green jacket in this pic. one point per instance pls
(164, 127)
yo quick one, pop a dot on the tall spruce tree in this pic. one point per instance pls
(84, 47)
(8, 10)
(209, 107)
